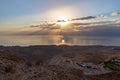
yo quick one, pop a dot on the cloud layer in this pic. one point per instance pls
(115, 13)
(100, 25)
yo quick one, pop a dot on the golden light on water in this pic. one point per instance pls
(63, 41)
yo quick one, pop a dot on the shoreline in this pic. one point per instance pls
(60, 45)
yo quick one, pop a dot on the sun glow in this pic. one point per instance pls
(62, 20)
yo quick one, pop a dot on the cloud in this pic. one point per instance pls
(104, 28)
(85, 18)
(91, 25)
(44, 25)
(90, 17)
(115, 13)
(101, 16)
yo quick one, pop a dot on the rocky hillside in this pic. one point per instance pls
(60, 63)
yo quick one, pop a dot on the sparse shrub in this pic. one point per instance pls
(28, 64)
(39, 62)
(111, 66)
(9, 69)
(71, 77)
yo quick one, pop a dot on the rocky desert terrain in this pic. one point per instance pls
(60, 62)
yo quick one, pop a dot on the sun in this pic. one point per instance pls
(62, 20)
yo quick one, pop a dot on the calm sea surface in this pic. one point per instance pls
(58, 39)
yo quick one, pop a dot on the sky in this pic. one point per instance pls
(24, 13)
